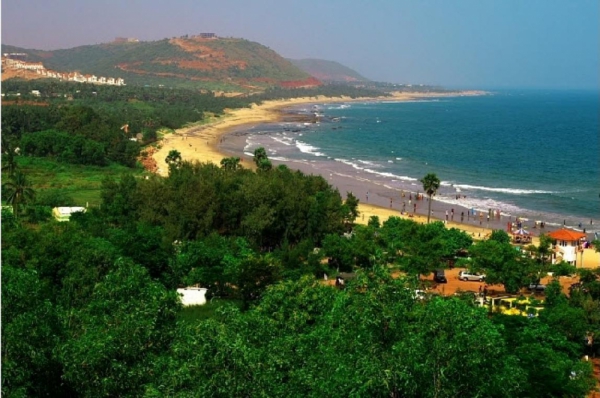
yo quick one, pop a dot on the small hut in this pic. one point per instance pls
(566, 244)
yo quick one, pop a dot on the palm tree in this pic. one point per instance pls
(18, 191)
(430, 185)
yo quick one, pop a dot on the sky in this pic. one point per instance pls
(452, 43)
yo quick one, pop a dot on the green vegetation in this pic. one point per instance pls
(80, 184)
(89, 307)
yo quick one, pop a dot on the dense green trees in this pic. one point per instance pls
(89, 307)
(371, 339)
(503, 264)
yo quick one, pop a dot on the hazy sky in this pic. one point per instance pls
(460, 43)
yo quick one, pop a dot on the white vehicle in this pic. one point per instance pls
(468, 276)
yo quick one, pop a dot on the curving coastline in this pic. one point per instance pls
(204, 143)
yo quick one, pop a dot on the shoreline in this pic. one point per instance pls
(201, 141)
(204, 143)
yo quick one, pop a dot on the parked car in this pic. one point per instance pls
(470, 276)
(537, 287)
(439, 276)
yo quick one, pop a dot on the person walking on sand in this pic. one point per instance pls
(462, 216)
(367, 196)
(452, 215)
(390, 203)
(446, 215)
(415, 209)
(403, 207)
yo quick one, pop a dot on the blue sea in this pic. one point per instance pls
(531, 154)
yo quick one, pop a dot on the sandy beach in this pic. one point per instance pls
(204, 143)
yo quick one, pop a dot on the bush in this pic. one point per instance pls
(562, 269)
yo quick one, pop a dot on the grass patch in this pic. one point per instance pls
(82, 183)
(209, 310)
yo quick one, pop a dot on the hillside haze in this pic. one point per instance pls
(226, 64)
(328, 71)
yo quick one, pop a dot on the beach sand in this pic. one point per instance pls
(204, 143)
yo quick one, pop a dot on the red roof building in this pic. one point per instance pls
(567, 235)
(568, 244)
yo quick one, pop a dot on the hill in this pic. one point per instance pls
(225, 64)
(328, 71)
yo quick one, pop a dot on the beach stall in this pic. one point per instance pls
(521, 236)
(566, 244)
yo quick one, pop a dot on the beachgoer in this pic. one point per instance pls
(415, 209)
(390, 203)
(403, 207)
(367, 196)
(452, 215)
(480, 290)
(409, 202)
(462, 216)
(446, 215)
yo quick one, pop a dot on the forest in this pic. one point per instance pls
(85, 124)
(89, 307)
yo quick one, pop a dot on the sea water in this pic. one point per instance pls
(532, 154)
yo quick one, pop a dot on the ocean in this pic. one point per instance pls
(530, 154)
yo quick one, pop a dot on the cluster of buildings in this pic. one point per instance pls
(14, 63)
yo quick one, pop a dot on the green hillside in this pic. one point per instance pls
(216, 64)
(328, 71)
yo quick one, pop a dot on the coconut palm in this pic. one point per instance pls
(430, 185)
(18, 191)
